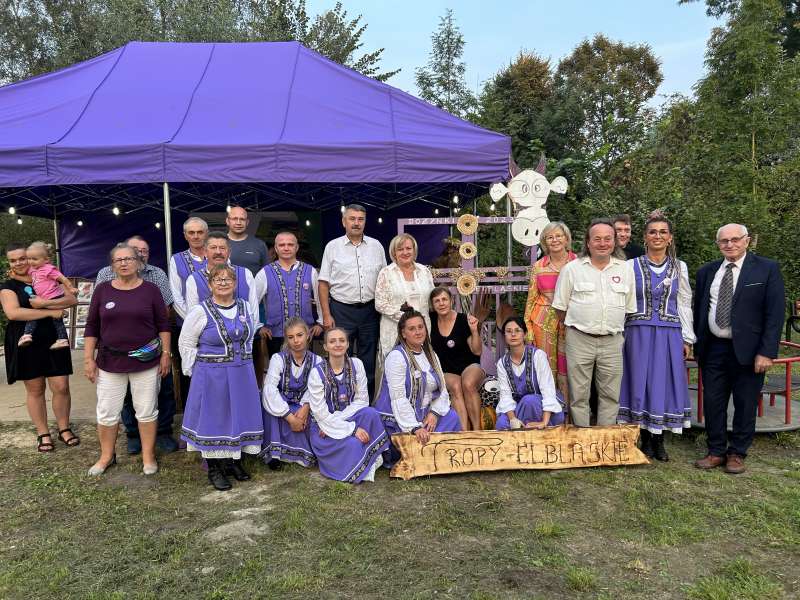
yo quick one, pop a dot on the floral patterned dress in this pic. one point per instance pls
(545, 329)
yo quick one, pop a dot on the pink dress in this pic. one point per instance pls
(45, 281)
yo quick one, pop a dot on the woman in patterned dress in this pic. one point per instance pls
(545, 329)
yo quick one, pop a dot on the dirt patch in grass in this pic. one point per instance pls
(662, 531)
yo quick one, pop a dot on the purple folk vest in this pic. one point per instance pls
(226, 340)
(384, 402)
(288, 295)
(656, 295)
(527, 382)
(338, 394)
(185, 266)
(292, 388)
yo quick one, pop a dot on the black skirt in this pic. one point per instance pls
(36, 360)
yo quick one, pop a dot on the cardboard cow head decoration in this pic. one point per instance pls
(528, 191)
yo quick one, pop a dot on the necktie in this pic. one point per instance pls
(725, 298)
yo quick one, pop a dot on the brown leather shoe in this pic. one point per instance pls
(735, 464)
(710, 462)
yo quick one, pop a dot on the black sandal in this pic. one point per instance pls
(71, 442)
(45, 446)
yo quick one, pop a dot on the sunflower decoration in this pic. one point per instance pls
(467, 250)
(466, 284)
(467, 224)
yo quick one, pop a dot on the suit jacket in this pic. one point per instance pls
(758, 309)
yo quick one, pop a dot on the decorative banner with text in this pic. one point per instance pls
(563, 447)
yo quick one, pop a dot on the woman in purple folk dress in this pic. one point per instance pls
(222, 419)
(413, 396)
(528, 396)
(347, 435)
(658, 338)
(286, 401)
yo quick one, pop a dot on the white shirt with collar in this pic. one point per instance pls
(261, 282)
(713, 296)
(596, 300)
(176, 284)
(352, 270)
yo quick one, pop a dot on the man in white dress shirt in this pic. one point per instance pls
(284, 282)
(595, 291)
(350, 267)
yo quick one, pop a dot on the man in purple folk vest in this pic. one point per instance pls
(181, 266)
(291, 290)
(218, 253)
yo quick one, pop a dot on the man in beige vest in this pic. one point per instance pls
(593, 294)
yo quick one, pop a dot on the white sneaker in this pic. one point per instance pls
(150, 469)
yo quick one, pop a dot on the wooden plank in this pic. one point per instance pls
(563, 447)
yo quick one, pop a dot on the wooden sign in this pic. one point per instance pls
(563, 447)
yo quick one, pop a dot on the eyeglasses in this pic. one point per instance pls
(734, 240)
(124, 260)
(222, 280)
(554, 237)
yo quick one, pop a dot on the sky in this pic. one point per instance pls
(496, 31)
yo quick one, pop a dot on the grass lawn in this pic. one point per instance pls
(659, 531)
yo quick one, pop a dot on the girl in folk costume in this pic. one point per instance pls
(658, 338)
(286, 400)
(413, 396)
(222, 419)
(347, 435)
(528, 396)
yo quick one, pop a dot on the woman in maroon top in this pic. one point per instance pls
(127, 320)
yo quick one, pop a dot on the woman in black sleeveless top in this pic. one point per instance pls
(457, 342)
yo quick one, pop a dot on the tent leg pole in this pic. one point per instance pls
(55, 239)
(508, 241)
(167, 222)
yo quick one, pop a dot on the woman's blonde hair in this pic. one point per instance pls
(550, 228)
(290, 323)
(399, 239)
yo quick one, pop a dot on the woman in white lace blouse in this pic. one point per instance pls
(403, 282)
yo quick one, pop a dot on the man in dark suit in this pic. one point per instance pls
(738, 318)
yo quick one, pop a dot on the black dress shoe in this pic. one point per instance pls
(234, 467)
(216, 475)
(275, 465)
(647, 444)
(659, 452)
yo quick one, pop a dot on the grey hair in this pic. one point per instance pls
(191, 220)
(217, 235)
(124, 246)
(743, 228)
(356, 208)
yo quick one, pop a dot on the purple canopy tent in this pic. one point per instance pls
(184, 127)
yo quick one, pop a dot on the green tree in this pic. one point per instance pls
(610, 84)
(38, 36)
(442, 81)
(787, 27)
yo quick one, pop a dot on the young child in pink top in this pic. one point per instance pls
(47, 283)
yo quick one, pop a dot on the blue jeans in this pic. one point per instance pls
(166, 410)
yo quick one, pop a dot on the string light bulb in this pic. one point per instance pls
(341, 208)
(308, 223)
(455, 210)
(158, 225)
(455, 199)
(436, 211)
(79, 223)
(228, 208)
(12, 210)
(115, 210)
(380, 220)
(492, 207)
(19, 220)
